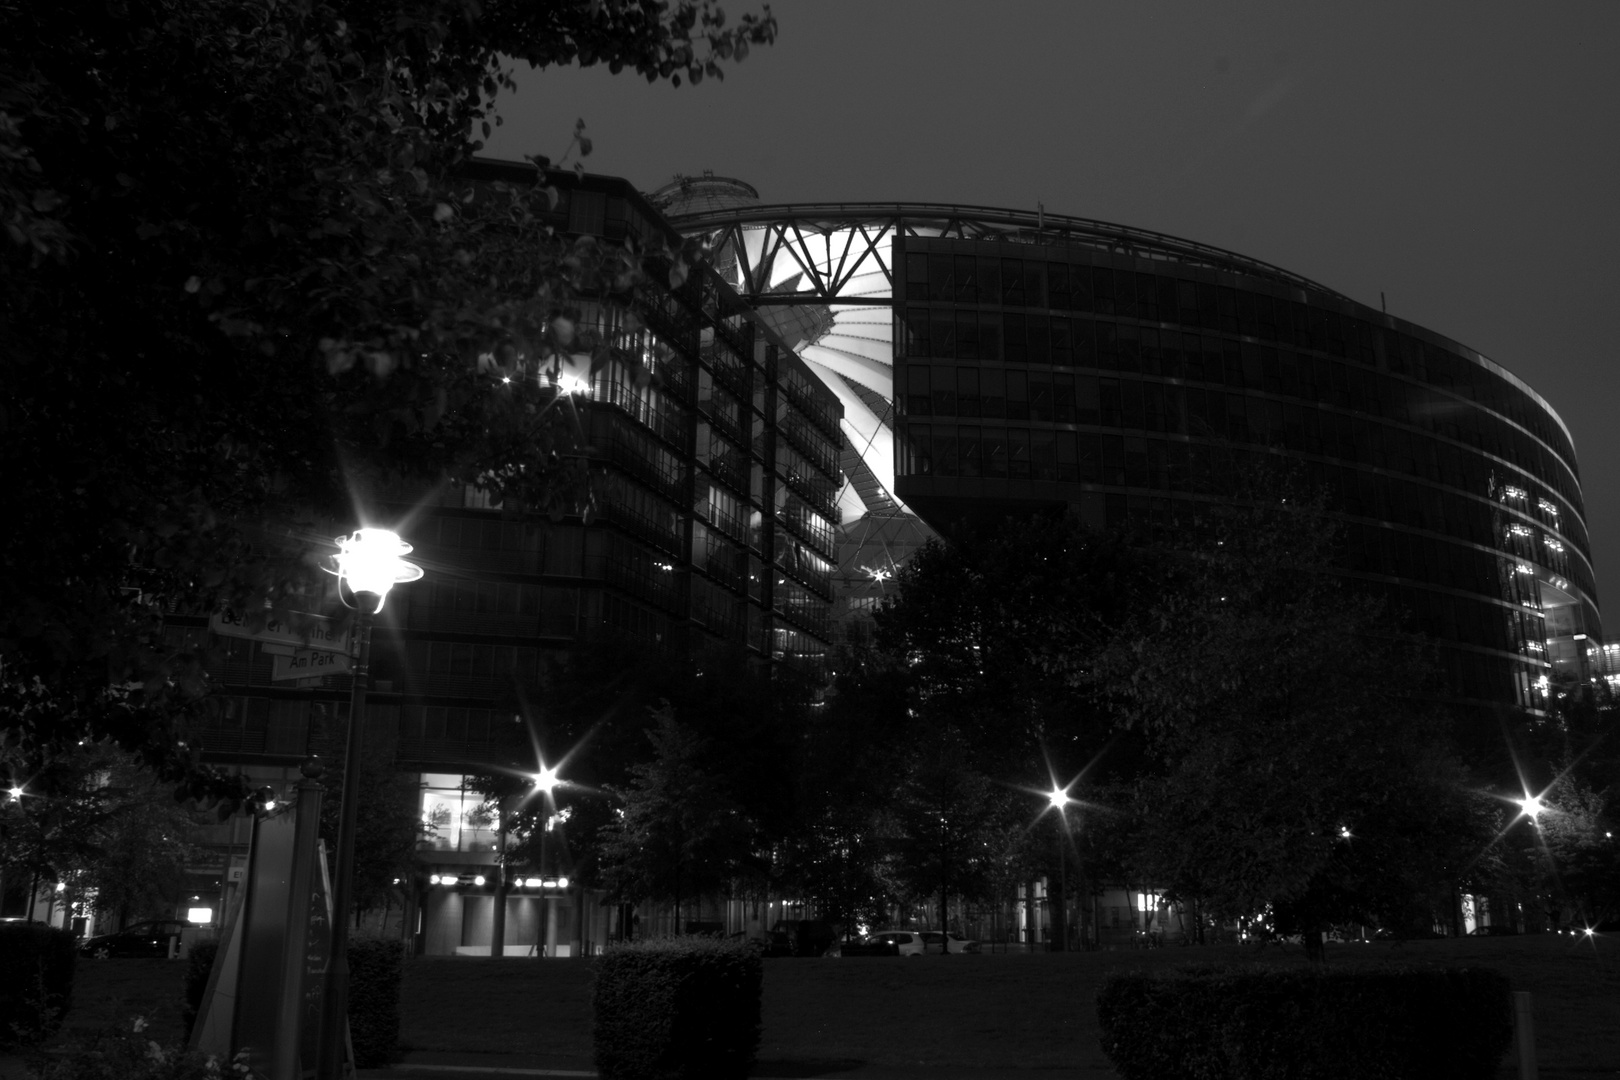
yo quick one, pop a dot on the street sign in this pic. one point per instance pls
(321, 634)
(308, 664)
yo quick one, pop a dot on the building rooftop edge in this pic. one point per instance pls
(1042, 221)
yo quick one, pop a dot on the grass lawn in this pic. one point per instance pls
(1034, 1012)
(820, 1016)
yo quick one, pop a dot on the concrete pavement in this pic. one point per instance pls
(463, 1066)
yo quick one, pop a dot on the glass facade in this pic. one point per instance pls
(1129, 386)
(713, 523)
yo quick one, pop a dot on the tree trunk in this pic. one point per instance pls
(1315, 950)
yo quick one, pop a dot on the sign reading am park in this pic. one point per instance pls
(309, 664)
(319, 633)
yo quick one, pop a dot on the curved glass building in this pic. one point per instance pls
(989, 360)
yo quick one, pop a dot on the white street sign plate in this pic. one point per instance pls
(308, 664)
(322, 634)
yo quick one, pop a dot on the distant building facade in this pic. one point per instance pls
(715, 525)
(997, 360)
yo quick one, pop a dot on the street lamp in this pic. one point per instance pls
(545, 782)
(1059, 799)
(370, 562)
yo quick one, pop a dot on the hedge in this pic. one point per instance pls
(36, 981)
(677, 1009)
(375, 968)
(1221, 1023)
(198, 964)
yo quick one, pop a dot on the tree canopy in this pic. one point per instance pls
(1255, 734)
(243, 290)
(676, 835)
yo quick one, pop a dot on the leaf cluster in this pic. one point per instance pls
(245, 286)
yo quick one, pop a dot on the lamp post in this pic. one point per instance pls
(1059, 800)
(370, 562)
(544, 781)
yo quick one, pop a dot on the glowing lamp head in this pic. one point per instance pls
(1532, 806)
(562, 883)
(373, 561)
(16, 792)
(546, 779)
(478, 880)
(1058, 798)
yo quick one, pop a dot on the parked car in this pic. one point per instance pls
(905, 942)
(803, 937)
(866, 947)
(934, 942)
(141, 939)
(1492, 931)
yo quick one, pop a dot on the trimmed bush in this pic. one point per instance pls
(677, 1009)
(376, 966)
(36, 981)
(1226, 1023)
(198, 966)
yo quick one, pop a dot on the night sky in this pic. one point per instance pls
(1461, 158)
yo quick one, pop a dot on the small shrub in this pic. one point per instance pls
(198, 966)
(126, 1054)
(376, 966)
(677, 1009)
(36, 981)
(1214, 1023)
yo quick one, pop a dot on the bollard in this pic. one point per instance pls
(1524, 1034)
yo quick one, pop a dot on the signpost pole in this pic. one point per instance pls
(337, 970)
(306, 830)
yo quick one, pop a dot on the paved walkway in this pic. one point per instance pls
(436, 1066)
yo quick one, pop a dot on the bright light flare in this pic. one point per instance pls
(16, 792)
(546, 780)
(572, 384)
(1531, 805)
(1058, 798)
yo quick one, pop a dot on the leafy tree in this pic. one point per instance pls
(676, 834)
(591, 720)
(1301, 770)
(999, 630)
(99, 824)
(245, 287)
(953, 825)
(386, 831)
(1575, 855)
(145, 845)
(844, 764)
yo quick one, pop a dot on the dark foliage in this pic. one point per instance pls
(677, 1009)
(386, 831)
(36, 981)
(1214, 1023)
(199, 965)
(679, 835)
(245, 288)
(376, 966)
